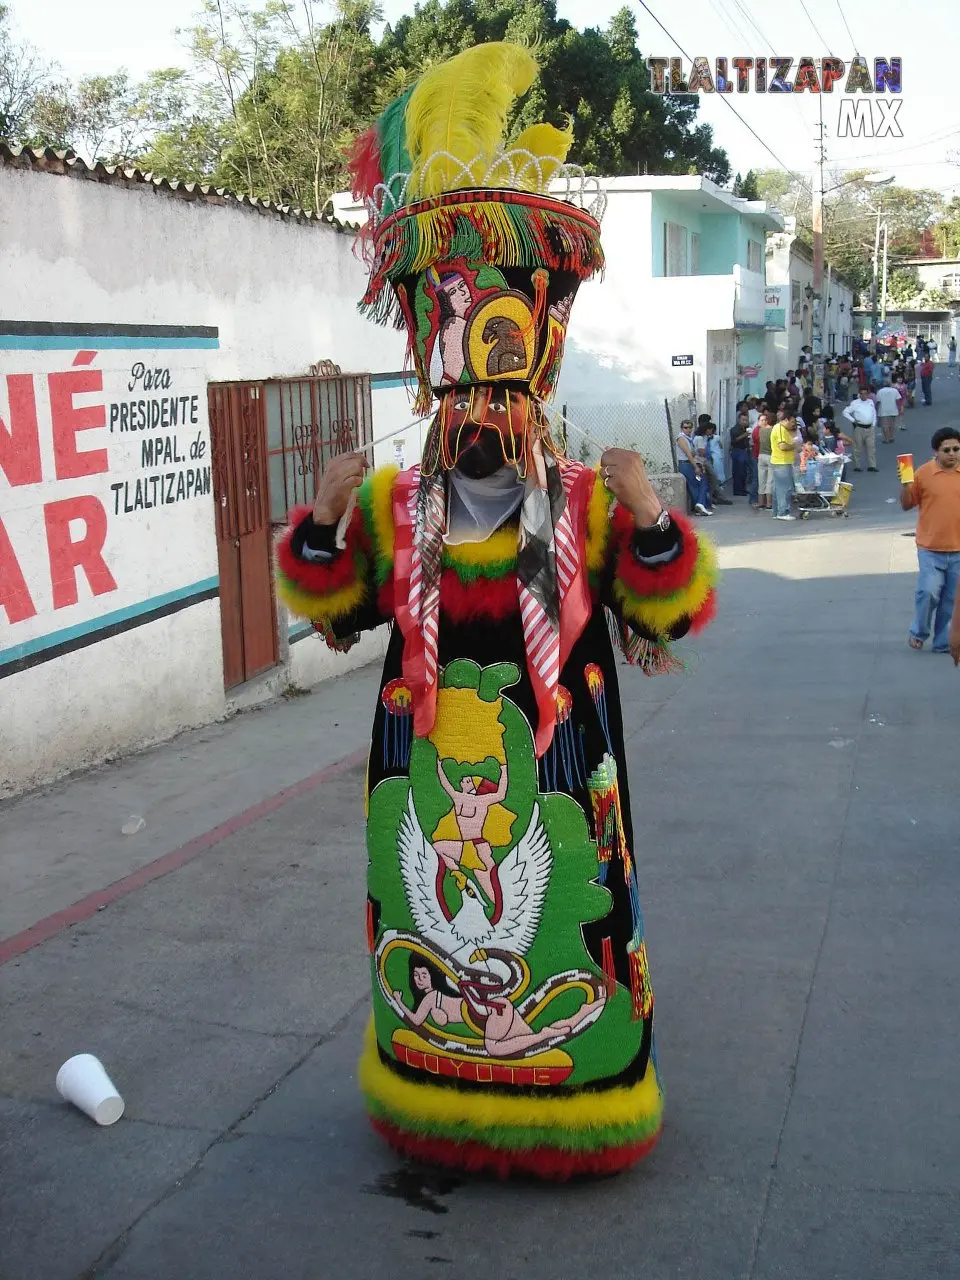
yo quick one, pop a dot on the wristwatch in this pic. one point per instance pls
(662, 523)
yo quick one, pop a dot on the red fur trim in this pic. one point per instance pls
(385, 599)
(662, 579)
(706, 614)
(486, 598)
(317, 579)
(549, 1163)
(623, 522)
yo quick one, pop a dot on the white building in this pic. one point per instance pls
(681, 308)
(936, 273)
(678, 315)
(135, 544)
(791, 303)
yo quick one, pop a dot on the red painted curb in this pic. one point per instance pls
(49, 926)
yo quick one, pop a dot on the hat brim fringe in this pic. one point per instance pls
(516, 229)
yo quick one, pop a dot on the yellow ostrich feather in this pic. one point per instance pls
(459, 109)
(550, 146)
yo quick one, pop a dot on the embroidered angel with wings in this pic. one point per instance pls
(474, 964)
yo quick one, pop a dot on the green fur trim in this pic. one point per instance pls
(471, 572)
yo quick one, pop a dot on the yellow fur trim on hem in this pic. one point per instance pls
(659, 615)
(432, 1104)
(598, 526)
(328, 608)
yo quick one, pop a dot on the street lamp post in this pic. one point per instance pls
(877, 180)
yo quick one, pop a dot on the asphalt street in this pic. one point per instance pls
(796, 817)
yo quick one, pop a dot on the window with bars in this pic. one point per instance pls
(309, 421)
(694, 253)
(675, 261)
(754, 256)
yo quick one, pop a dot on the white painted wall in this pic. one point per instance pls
(937, 273)
(787, 267)
(282, 295)
(788, 264)
(628, 326)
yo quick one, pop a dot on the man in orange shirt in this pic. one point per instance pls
(936, 491)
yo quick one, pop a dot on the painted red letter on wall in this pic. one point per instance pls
(14, 593)
(20, 445)
(68, 419)
(67, 556)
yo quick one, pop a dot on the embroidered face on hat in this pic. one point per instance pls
(467, 246)
(471, 324)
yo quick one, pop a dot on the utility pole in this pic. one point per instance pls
(817, 337)
(873, 283)
(883, 286)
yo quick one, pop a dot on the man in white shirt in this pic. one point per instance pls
(862, 412)
(752, 411)
(888, 407)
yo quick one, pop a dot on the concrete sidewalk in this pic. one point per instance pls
(795, 803)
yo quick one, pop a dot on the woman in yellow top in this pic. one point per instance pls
(783, 449)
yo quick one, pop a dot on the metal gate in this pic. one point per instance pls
(248, 614)
(308, 422)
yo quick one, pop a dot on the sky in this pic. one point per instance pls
(90, 36)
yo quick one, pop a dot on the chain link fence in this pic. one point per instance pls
(649, 427)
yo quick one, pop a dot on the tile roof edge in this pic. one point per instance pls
(66, 163)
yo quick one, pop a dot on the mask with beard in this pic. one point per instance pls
(483, 455)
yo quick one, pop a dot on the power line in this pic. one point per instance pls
(819, 33)
(912, 146)
(753, 23)
(751, 20)
(856, 49)
(723, 97)
(729, 18)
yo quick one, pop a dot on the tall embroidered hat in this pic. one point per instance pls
(467, 247)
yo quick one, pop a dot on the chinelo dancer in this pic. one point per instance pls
(512, 1026)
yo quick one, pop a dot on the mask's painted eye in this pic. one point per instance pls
(497, 405)
(462, 404)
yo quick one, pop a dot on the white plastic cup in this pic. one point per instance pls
(83, 1080)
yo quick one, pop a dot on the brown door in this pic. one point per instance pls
(248, 614)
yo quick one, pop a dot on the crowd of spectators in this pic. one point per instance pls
(788, 427)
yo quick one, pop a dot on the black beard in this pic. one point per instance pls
(482, 458)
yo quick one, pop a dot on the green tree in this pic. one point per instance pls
(23, 75)
(277, 92)
(903, 285)
(289, 91)
(850, 217)
(946, 230)
(746, 187)
(598, 77)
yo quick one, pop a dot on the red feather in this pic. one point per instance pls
(363, 162)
